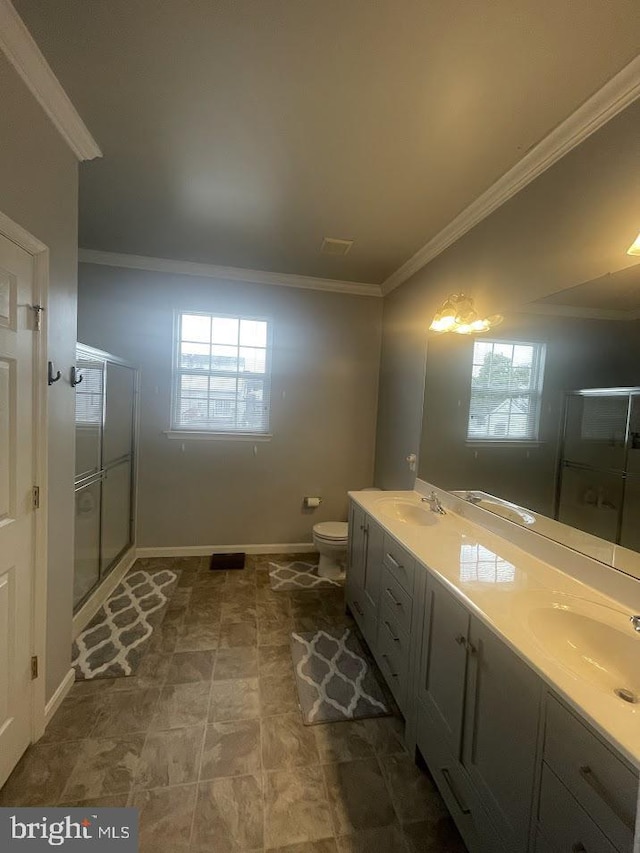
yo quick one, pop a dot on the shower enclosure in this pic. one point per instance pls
(106, 395)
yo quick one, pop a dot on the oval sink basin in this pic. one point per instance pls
(596, 643)
(407, 512)
(519, 516)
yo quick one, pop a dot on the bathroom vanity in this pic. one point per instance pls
(518, 680)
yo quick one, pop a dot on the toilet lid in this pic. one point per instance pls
(331, 529)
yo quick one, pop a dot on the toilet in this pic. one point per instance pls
(331, 539)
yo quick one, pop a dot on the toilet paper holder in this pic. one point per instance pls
(312, 502)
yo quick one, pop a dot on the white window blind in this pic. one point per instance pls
(221, 378)
(506, 391)
(89, 394)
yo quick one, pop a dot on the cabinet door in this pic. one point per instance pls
(373, 562)
(443, 662)
(357, 539)
(503, 707)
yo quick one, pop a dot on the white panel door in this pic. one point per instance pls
(16, 507)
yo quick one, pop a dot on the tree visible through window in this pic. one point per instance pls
(506, 390)
(221, 374)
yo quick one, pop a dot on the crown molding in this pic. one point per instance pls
(26, 57)
(166, 265)
(595, 112)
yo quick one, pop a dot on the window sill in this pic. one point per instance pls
(478, 442)
(195, 435)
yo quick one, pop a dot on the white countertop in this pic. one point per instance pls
(500, 584)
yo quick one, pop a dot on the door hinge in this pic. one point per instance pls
(34, 667)
(36, 497)
(37, 317)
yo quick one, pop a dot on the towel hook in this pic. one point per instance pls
(76, 377)
(50, 377)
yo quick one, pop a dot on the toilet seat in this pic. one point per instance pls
(332, 531)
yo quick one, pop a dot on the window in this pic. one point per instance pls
(221, 374)
(506, 390)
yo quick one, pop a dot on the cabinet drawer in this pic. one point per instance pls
(400, 563)
(397, 599)
(598, 779)
(564, 822)
(362, 612)
(390, 626)
(394, 665)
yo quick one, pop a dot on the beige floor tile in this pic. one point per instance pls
(181, 705)
(105, 766)
(287, 743)
(153, 670)
(231, 748)
(74, 719)
(274, 632)
(166, 816)
(386, 735)
(387, 838)
(241, 662)
(229, 815)
(170, 758)
(238, 634)
(236, 699)
(413, 793)
(188, 667)
(198, 635)
(278, 694)
(343, 741)
(325, 845)
(275, 660)
(237, 611)
(126, 712)
(41, 775)
(296, 807)
(427, 837)
(111, 801)
(358, 796)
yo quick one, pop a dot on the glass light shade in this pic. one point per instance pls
(458, 315)
(634, 248)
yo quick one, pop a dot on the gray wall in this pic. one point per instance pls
(579, 354)
(324, 397)
(39, 190)
(571, 225)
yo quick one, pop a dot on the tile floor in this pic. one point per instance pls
(208, 742)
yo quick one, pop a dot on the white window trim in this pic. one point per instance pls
(530, 441)
(184, 433)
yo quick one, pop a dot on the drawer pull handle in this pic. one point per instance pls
(598, 788)
(461, 640)
(393, 598)
(358, 608)
(459, 802)
(391, 634)
(394, 562)
(392, 673)
(578, 847)
(472, 649)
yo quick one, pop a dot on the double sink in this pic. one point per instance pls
(593, 642)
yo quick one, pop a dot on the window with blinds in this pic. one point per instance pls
(221, 377)
(506, 391)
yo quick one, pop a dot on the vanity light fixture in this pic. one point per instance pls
(634, 248)
(458, 315)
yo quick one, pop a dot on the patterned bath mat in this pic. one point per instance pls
(334, 679)
(285, 577)
(114, 642)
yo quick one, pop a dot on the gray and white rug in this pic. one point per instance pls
(334, 679)
(284, 577)
(114, 642)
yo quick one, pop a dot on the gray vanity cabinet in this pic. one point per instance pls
(502, 718)
(364, 572)
(477, 728)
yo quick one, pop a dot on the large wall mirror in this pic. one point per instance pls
(539, 419)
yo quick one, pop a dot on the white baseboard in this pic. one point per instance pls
(206, 550)
(56, 700)
(102, 593)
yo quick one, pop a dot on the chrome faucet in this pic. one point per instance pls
(434, 502)
(635, 621)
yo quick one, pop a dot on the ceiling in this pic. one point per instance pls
(242, 132)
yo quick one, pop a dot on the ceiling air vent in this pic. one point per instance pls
(334, 246)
